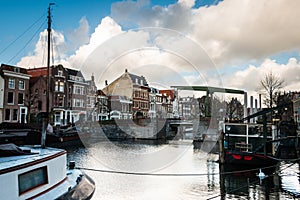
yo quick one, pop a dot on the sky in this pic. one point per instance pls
(229, 43)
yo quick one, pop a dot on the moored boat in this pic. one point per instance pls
(32, 172)
(246, 145)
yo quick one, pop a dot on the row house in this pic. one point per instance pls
(168, 97)
(134, 88)
(120, 106)
(290, 112)
(163, 103)
(102, 107)
(153, 107)
(188, 107)
(68, 94)
(91, 99)
(14, 96)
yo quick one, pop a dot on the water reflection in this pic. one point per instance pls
(207, 182)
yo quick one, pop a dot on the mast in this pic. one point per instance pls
(46, 117)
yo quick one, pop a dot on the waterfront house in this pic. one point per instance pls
(152, 102)
(133, 87)
(14, 96)
(67, 94)
(188, 107)
(120, 106)
(102, 108)
(168, 97)
(91, 99)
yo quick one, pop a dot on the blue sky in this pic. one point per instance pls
(220, 43)
(19, 15)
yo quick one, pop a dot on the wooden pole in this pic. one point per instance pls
(221, 148)
(46, 118)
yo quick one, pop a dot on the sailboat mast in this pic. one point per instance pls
(48, 61)
(46, 120)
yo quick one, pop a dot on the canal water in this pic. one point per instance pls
(176, 171)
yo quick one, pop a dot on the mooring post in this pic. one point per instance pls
(221, 148)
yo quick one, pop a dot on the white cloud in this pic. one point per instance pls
(234, 31)
(140, 13)
(79, 36)
(238, 31)
(189, 42)
(39, 56)
(107, 29)
(249, 79)
(59, 46)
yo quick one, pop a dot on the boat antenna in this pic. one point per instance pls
(46, 121)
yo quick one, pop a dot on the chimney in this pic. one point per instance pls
(106, 83)
(259, 101)
(126, 70)
(251, 105)
(255, 105)
(251, 108)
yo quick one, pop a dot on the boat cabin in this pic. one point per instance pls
(32, 172)
(247, 137)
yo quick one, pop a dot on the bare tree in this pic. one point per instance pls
(270, 86)
(235, 110)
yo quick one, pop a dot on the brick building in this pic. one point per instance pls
(133, 87)
(14, 95)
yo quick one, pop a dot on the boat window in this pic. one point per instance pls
(32, 179)
(236, 129)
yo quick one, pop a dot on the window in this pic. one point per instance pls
(7, 114)
(89, 100)
(60, 101)
(78, 103)
(60, 72)
(59, 86)
(136, 94)
(20, 98)
(10, 97)
(79, 90)
(11, 83)
(16, 69)
(21, 85)
(32, 179)
(136, 104)
(15, 114)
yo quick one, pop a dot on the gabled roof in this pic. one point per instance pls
(140, 79)
(101, 93)
(74, 72)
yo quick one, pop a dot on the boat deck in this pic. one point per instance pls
(37, 155)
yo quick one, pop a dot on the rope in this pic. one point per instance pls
(141, 173)
(172, 174)
(193, 174)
